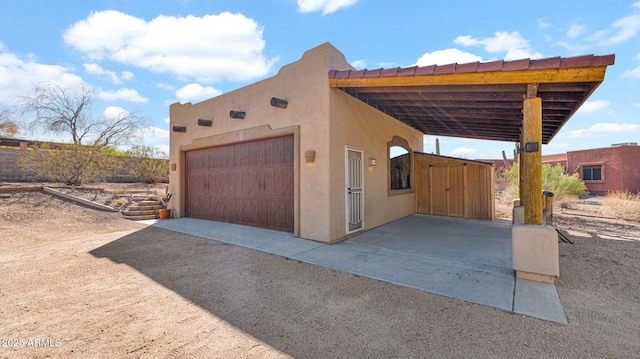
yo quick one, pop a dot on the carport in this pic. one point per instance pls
(525, 101)
(289, 152)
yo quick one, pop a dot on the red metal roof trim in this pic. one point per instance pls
(500, 65)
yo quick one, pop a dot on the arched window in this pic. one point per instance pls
(400, 166)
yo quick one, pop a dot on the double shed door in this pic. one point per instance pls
(448, 190)
(247, 183)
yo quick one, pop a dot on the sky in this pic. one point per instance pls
(142, 56)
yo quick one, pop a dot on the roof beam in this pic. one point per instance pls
(532, 90)
(579, 74)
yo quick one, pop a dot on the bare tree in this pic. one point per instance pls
(8, 128)
(68, 111)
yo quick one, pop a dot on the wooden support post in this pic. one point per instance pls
(531, 161)
(547, 198)
(519, 157)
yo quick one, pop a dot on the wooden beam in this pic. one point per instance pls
(532, 90)
(585, 74)
(531, 162)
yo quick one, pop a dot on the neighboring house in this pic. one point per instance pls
(325, 151)
(603, 170)
(607, 169)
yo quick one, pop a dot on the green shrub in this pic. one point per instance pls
(554, 179)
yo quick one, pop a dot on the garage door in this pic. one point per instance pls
(247, 183)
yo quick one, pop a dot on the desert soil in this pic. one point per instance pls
(78, 283)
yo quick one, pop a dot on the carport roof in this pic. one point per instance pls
(481, 100)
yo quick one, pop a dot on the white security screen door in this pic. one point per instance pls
(354, 182)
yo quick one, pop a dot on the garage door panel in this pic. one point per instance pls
(285, 184)
(216, 209)
(279, 213)
(217, 183)
(248, 183)
(243, 213)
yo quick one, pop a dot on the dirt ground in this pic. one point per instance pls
(78, 283)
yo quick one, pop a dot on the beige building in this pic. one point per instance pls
(307, 168)
(326, 151)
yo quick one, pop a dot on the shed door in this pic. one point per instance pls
(447, 190)
(247, 183)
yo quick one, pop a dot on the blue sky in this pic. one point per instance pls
(142, 56)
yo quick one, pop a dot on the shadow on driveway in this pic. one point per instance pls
(301, 309)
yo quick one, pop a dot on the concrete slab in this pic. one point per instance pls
(539, 300)
(458, 258)
(265, 240)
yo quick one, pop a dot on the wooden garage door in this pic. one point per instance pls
(247, 183)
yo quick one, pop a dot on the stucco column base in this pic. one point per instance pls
(517, 217)
(535, 277)
(535, 253)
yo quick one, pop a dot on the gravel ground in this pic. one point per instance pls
(81, 283)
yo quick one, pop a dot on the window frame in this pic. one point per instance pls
(584, 167)
(398, 141)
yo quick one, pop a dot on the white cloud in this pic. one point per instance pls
(542, 23)
(96, 69)
(572, 47)
(18, 76)
(165, 86)
(162, 148)
(327, 6)
(387, 65)
(359, 64)
(463, 152)
(155, 133)
(155, 137)
(196, 93)
(207, 48)
(636, 4)
(448, 56)
(575, 30)
(626, 28)
(593, 106)
(637, 104)
(114, 112)
(635, 72)
(602, 130)
(125, 94)
(127, 75)
(515, 46)
(167, 120)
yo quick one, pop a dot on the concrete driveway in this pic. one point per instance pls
(459, 258)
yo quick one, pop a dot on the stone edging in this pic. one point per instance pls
(79, 200)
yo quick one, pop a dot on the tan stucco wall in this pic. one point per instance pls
(321, 119)
(305, 85)
(356, 124)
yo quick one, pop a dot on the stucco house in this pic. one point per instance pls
(326, 151)
(605, 169)
(285, 168)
